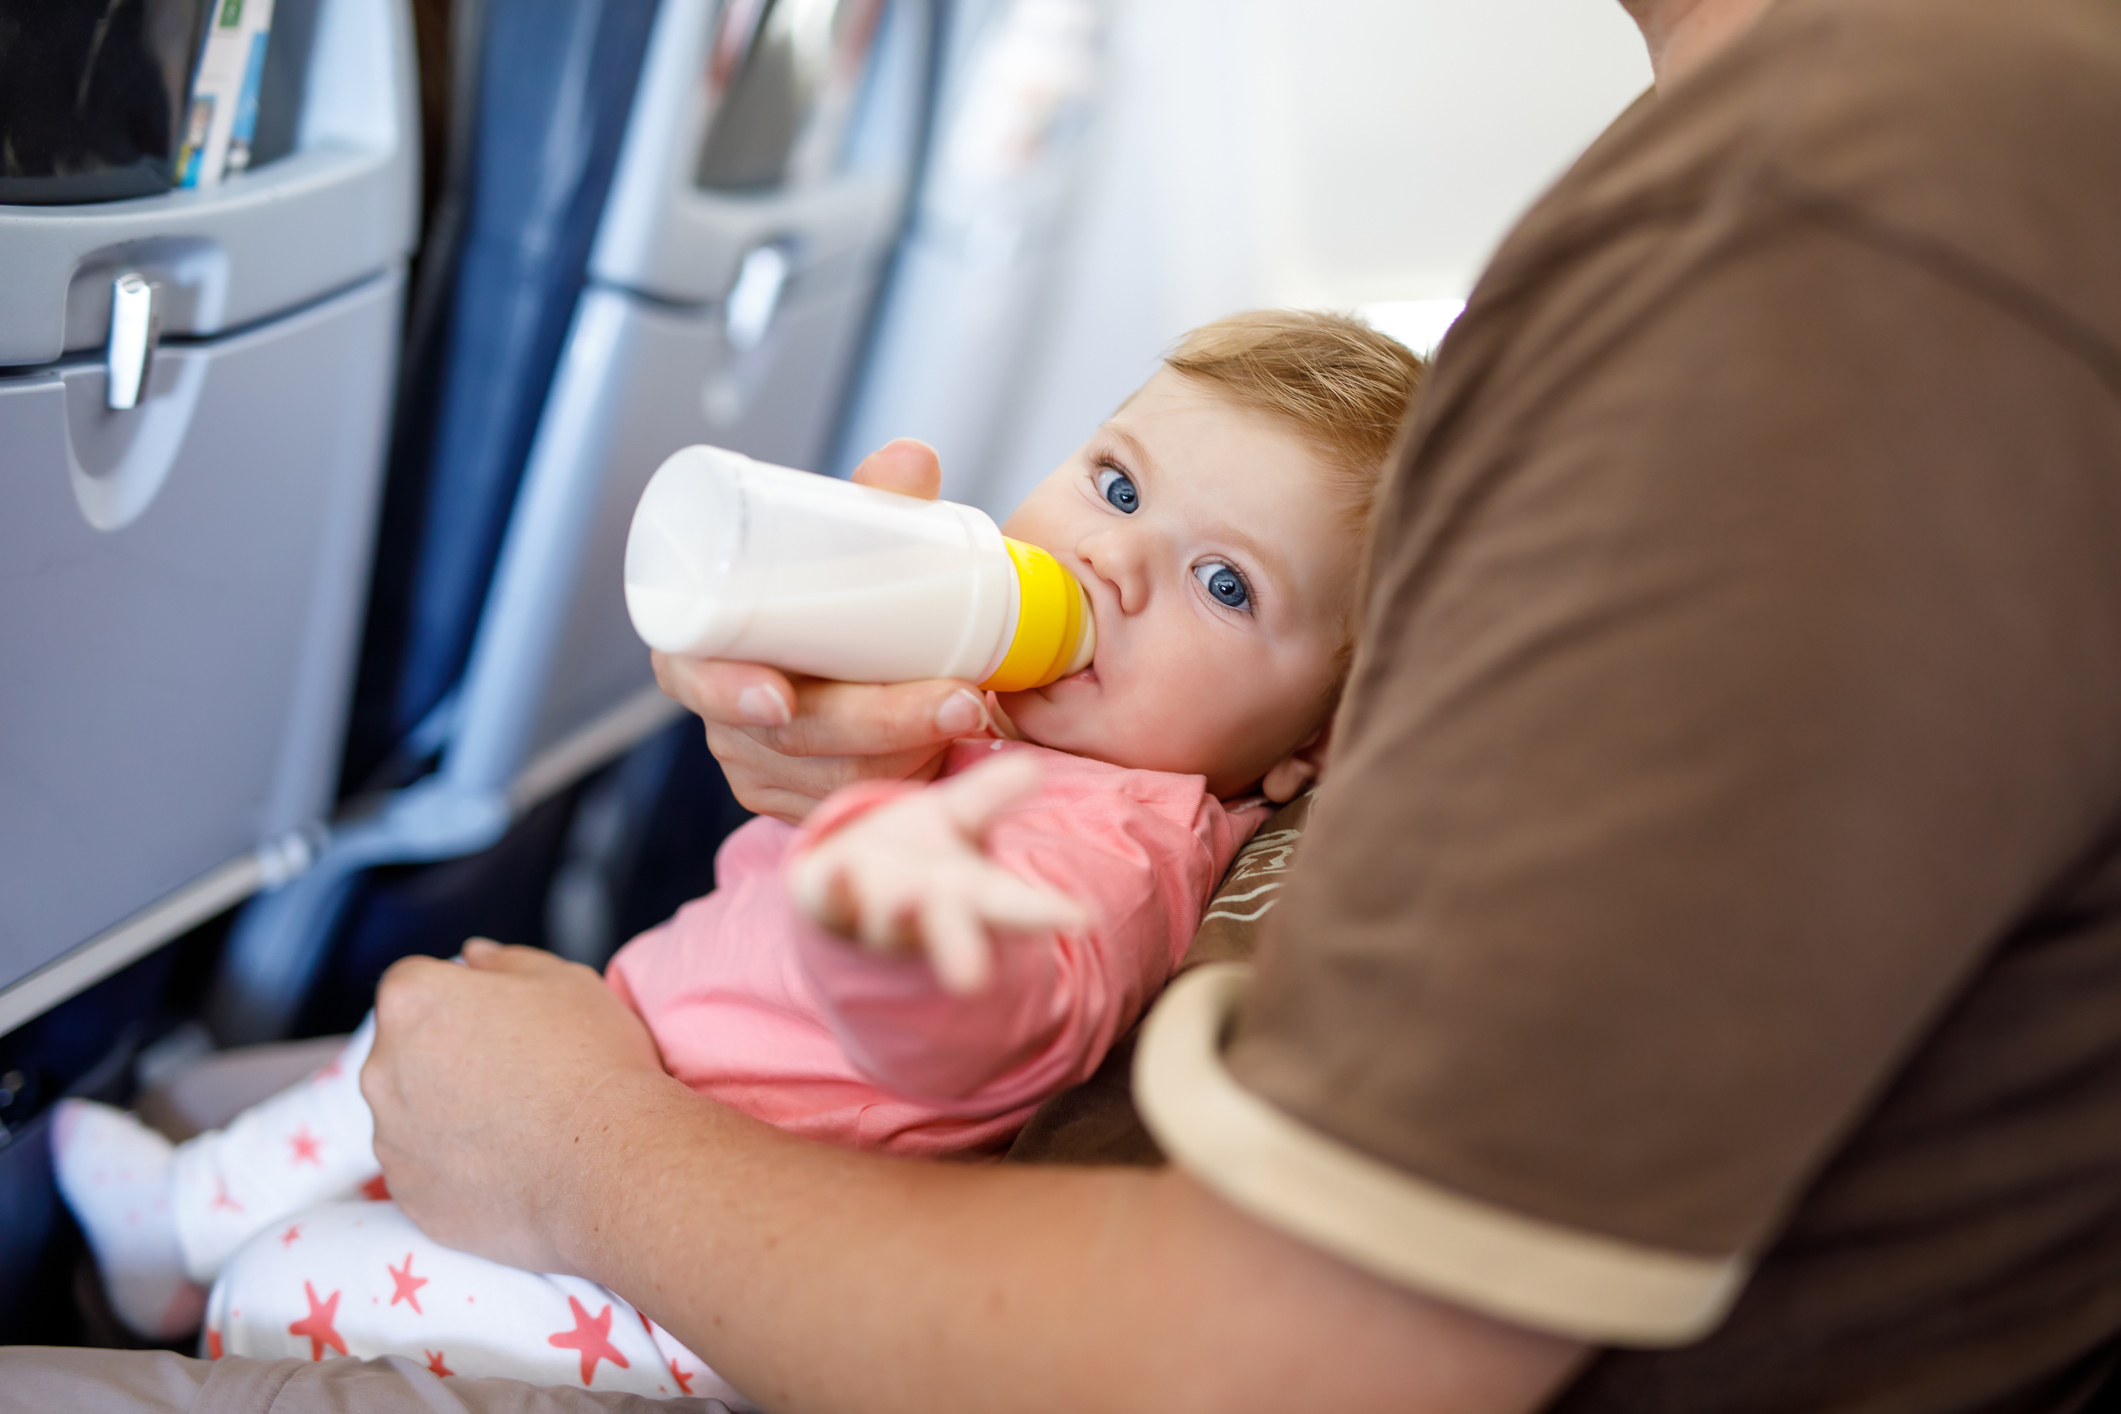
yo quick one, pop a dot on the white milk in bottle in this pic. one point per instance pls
(734, 558)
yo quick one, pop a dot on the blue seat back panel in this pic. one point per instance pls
(556, 83)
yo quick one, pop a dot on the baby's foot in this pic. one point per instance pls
(114, 1172)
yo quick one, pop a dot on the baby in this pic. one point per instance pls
(843, 981)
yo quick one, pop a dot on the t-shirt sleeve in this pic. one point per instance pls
(1739, 663)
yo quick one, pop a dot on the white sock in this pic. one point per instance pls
(114, 1172)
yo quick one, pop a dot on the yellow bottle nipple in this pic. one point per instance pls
(1055, 632)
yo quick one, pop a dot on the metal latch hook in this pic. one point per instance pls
(135, 320)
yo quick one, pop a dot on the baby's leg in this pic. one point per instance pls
(360, 1279)
(308, 1144)
(160, 1220)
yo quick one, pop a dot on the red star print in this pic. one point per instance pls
(684, 1380)
(213, 1343)
(317, 1325)
(330, 1070)
(408, 1285)
(434, 1363)
(287, 1238)
(592, 1337)
(306, 1146)
(221, 1198)
(376, 1190)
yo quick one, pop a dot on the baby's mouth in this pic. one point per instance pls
(1081, 677)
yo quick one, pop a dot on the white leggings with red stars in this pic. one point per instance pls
(270, 1210)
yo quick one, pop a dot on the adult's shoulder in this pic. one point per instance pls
(1980, 138)
(1983, 137)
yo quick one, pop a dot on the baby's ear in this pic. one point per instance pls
(1305, 766)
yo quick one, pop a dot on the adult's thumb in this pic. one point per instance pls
(486, 955)
(908, 467)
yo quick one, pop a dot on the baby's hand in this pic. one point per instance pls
(910, 875)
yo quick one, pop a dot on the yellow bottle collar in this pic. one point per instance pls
(1055, 633)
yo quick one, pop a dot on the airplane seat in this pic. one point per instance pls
(579, 875)
(542, 94)
(716, 286)
(194, 387)
(85, 1047)
(542, 103)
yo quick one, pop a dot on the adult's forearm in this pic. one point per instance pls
(520, 1114)
(817, 1279)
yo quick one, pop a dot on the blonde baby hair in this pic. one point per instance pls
(1340, 384)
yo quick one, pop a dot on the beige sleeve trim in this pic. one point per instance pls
(1390, 1222)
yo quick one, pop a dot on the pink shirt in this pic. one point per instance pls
(755, 1006)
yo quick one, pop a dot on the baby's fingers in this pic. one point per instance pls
(836, 895)
(957, 945)
(821, 889)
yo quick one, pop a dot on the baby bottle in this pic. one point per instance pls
(733, 558)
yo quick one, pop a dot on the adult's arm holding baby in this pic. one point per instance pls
(520, 1114)
(785, 743)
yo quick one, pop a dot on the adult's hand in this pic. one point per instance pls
(785, 743)
(482, 1077)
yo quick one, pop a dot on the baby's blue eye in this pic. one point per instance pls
(1115, 486)
(1224, 585)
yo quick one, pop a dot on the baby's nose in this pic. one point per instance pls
(1122, 561)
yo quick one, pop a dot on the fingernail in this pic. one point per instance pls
(960, 713)
(762, 706)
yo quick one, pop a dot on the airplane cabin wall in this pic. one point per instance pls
(1332, 153)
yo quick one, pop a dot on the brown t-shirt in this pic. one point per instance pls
(1708, 937)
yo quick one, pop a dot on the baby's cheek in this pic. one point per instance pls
(1178, 724)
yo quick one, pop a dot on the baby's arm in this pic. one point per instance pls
(909, 877)
(1057, 994)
